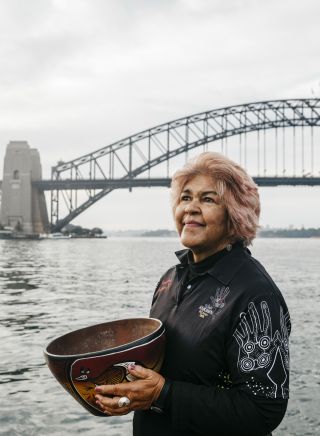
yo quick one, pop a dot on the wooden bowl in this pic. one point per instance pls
(100, 354)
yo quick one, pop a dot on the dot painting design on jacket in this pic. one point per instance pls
(262, 350)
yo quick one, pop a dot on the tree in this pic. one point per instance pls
(96, 231)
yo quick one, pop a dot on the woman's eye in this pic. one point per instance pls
(185, 198)
(208, 200)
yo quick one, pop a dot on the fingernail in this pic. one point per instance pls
(97, 389)
(132, 366)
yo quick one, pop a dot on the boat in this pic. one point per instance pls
(10, 234)
(6, 234)
(58, 235)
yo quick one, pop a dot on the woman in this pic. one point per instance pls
(226, 368)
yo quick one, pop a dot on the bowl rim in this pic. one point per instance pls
(112, 350)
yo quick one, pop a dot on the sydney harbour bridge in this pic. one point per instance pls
(278, 141)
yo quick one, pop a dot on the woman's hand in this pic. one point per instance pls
(141, 392)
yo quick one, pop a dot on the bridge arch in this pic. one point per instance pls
(135, 155)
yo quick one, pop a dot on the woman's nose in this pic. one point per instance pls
(192, 206)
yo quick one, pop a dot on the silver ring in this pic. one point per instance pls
(124, 401)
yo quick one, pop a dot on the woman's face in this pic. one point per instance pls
(201, 218)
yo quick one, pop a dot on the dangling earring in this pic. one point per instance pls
(229, 247)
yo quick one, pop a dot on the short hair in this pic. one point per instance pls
(235, 187)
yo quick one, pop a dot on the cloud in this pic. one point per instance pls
(76, 75)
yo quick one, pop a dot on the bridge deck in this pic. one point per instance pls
(50, 185)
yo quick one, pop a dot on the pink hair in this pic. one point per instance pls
(235, 187)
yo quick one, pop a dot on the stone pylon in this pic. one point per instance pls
(23, 207)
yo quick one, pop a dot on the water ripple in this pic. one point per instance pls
(51, 287)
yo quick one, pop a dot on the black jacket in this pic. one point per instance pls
(227, 350)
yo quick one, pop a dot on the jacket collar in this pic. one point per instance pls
(225, 268)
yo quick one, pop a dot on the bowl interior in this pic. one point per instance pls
(102, 337)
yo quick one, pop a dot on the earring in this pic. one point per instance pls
(229, 247)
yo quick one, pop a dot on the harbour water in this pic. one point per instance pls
(49, 287)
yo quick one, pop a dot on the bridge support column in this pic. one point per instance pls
(23, 207)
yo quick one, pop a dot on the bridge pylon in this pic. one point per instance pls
(23, 206)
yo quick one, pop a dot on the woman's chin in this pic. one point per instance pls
(188, 241)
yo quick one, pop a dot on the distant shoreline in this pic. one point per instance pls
(263, 233)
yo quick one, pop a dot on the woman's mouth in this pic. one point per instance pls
(192, 224)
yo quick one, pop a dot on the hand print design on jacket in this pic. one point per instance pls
(261, 349)
(217, 303)
(219, 300)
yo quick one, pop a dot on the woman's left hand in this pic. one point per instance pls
(141, 392)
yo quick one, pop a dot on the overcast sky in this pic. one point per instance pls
(76, 75)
